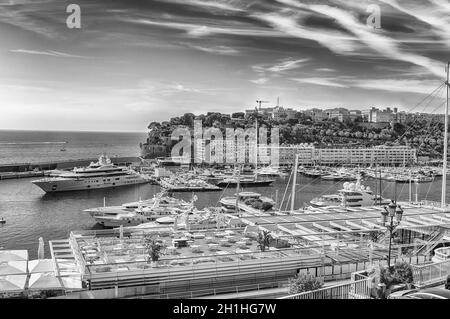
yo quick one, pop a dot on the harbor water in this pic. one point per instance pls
(30, 213)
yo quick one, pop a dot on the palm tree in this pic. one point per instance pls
(264, 239)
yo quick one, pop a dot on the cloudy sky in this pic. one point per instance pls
(134, 61)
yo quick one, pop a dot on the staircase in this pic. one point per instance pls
(427, 246)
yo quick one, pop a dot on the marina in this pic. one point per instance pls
(225, 149)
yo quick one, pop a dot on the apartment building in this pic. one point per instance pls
(381, 155)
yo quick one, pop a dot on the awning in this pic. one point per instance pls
(41, 281)
(40, 265)
(10, 255)
(13, 268)
(12, 283)
(72, 282)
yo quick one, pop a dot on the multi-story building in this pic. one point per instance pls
(317, 115)
(280, 113)
(381, 155)
(375, 115)
(341, 114)
(225, 151)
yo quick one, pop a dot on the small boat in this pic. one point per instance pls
(2, 221)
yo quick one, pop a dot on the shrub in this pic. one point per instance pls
(153, 247)
(301, 283)
(400, 273)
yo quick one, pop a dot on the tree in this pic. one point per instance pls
(153, 247)
(264, 239)
(304, 282)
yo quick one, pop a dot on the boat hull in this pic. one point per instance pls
(55, 186)
(246, 184)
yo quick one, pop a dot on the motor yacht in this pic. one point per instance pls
(101, 174)
(352, 195)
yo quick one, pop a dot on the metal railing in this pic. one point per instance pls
(442, 254)
(431, 274)
(354, 290)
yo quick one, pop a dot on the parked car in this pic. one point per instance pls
(429, 293)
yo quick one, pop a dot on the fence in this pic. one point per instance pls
(431, 274)
(149, 292)
(354, 290)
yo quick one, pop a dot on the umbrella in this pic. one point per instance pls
(13, 268)
(12, 283)
(44, 281)
(40, 265)
(10, 255)
(41, 248)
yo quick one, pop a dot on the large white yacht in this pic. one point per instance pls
(352, 195)
(102, 174)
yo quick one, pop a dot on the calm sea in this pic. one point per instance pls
(42, 146)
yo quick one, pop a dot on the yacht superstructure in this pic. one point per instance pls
(352, 195)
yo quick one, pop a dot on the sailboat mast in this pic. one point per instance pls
(237, 190)
(294, 182)
(444, 164)
(256, 154)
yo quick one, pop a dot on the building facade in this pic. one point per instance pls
(227, 151)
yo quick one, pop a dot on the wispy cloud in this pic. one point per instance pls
(381, 84)
(211, 4)
(396, 85)
(219, 49)
(260, 81)
(320, 81)
(50, 53)
(383, 45)
(280, 66)
(337, 42)
(438, 18)
(200, 30)
(325, 70)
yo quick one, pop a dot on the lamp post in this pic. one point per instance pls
(391, 211)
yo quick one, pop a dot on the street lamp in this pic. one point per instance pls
(391, 211)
